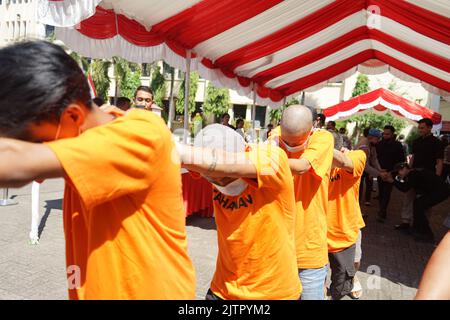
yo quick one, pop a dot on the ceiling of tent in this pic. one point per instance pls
(277, 47)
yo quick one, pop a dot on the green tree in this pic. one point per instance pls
(361, 86)
(373, 120)
(217, 100)
(275, 114)
(131, 81)
(192, 92)
(158, 85)
(99, 71)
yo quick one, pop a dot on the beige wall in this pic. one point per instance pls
(445, 110)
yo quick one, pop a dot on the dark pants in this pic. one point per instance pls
(342, 265)
(446, 172)
(421, 205)
(368, 182)
(384, 194)
(211, 296)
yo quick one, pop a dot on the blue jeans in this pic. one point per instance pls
(313, 283)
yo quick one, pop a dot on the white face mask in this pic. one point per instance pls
(233, 189)
(295, 149)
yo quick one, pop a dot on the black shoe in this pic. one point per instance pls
(402, 226)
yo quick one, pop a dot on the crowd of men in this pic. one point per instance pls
(285, 210)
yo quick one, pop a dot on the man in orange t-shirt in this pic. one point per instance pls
(310, 155)
(254, 209)
(124, 221)
(344, 219)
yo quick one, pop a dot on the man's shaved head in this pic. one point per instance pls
(296, 124)
(296, 120)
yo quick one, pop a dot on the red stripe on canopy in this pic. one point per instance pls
(387, 100)
(306, 27)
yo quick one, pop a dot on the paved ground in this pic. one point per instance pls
(391, 266)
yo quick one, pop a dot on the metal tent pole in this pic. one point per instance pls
(5, 201)
(186, 94)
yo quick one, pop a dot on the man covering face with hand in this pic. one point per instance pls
(254, 209)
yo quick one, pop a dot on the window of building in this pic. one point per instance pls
(261, 115)
(239, 111)
(13, 30)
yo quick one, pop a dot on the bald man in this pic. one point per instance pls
(310, 153)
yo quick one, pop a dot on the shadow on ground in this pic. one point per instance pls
(49, 206)
(201, 222)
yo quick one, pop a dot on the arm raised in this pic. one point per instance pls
(22, 162)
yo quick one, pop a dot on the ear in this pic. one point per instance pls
(74, 115)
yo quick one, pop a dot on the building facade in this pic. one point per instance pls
(18, 21)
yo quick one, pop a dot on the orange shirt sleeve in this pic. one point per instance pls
(113, 160)
(319, 152)
(271, 165)
(358, 158)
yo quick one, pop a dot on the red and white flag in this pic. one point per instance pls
(91, 86)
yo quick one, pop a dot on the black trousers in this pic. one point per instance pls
(384, 194)
(421, 205)
(367, 194)
(342, 265)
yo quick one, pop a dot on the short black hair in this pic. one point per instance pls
(39, 80)
(332, 123)
(224, 115)
(143, 88)
(427, 121)
(239, 121)
(366, 132)
(389, 127)
(123, 102)
(98, 101)
(322, 117)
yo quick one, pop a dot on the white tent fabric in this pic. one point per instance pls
(283, 47)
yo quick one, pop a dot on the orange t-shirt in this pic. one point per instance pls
(344, 214)
(255, 230)
(311, 195)
(124, 219)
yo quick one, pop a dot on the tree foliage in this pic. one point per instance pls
(275, 114)
(361, 86)
(373, 120)
(192, 93)
(158, 85)
(99, 71)
(217, 100)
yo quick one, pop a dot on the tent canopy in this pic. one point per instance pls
(382, 100)
(277, 48)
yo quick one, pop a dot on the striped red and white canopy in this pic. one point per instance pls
(277, 48)
(381, 101)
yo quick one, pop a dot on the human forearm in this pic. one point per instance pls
(23, 162)
(340, 160)
(299, 166)
(436, 277)
(216, 163)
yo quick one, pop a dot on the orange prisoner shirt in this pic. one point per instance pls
(344, 214)
(255, 230)
(124, 220)
(311, 196)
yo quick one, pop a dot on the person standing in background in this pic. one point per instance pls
(389, 153)
(427, 153)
